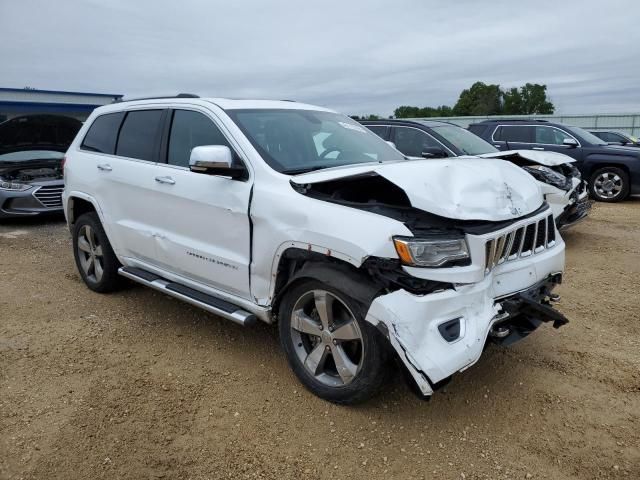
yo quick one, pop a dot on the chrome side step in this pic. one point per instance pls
(211, 304)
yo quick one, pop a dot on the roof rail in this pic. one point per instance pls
(527, 120)
(180, 95)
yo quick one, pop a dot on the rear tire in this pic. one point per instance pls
(609, 184)
(333, 351)
(97, 264)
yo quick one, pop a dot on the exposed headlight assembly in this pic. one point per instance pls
(437, 252)
(14, 186)
(546, 175)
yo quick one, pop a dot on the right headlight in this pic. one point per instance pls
(547, 175)
(440, 252)
(14, 186)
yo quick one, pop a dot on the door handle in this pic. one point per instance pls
(537, 148)
(105, 167)
(166, 180)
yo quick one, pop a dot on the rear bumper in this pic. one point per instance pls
(414, 324)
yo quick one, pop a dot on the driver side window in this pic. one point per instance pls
(550, 135)
(191, 129)
(411, 141)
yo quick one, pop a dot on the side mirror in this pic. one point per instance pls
(433, 152)
(570, 142)
(391, 144)
(214, 160)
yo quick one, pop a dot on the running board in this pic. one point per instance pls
(211, 304)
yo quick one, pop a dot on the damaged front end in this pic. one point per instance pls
(478, 268)
(561, 182)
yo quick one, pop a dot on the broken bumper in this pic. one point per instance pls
(422, 329)
(575, 212)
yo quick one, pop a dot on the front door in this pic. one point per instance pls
(204, 234)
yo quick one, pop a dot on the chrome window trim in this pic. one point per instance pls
(169, 106)
(535, 143)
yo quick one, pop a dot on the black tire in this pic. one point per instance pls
(373, 358)
(108, 280)
(616, 191)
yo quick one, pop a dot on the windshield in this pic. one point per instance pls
(30, 155)
(464, 140)
(586, 136)
(298, 141)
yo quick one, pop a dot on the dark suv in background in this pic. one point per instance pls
(617, 138)
(612, 172)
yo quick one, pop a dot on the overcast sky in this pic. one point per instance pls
(355, 56)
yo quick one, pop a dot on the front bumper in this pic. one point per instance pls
(575, 212)
(43, 198)
(412, 322)
(568, 207)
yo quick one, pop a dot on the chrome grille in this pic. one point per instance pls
(50, 196)
(524, 241)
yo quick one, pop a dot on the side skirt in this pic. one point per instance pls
(207, 302)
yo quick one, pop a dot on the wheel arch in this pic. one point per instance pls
(598, 163)
(296, 264)
(79, 204)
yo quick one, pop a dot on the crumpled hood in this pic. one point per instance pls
(549, 159)
(460, 188)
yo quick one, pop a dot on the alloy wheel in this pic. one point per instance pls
(608, 185)
(90, 254)
(327, 338)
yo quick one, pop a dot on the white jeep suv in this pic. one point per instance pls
(284, 212)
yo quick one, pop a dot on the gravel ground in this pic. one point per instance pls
(137, 385)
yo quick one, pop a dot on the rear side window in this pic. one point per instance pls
(188, 130)
(103, 133)
(513, 133)
(139, 134)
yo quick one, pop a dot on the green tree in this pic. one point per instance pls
(534, 99)
(488, 99)
(512, 102)
(480, 99)
(528, 100)
(416, 112)
(406, 112)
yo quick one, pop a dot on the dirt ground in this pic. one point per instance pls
(137, 385)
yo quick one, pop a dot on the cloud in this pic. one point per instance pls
(355, 56)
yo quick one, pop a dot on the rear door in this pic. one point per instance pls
(125, 146)
(513, 137)
(204, 233)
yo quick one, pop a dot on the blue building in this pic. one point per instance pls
(25, 101)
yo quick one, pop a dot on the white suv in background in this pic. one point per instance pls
(284, 212)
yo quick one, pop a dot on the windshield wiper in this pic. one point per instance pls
(298, 171)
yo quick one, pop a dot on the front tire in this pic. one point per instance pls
(609, 184)
(97, 264)
(333, 351)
